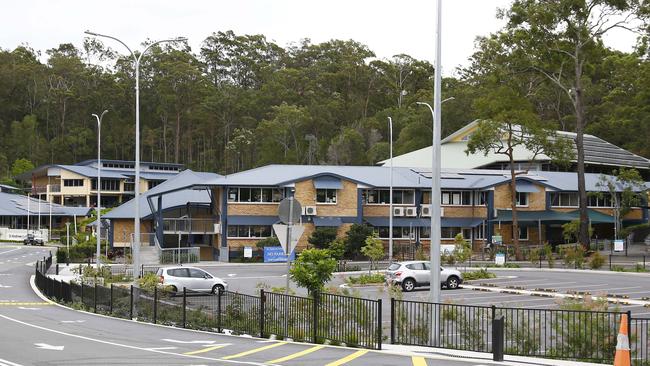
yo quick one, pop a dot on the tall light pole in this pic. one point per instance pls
(99, 183)
(390, 194)
(136, 62)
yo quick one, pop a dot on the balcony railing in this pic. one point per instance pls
(190, 226)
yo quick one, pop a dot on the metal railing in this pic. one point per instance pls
(558, 334)
(194, 226)
(177, 255)
(640, 341)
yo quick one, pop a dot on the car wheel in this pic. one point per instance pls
(408, 285)
(453, 282)
(216, 288)
(173, 288)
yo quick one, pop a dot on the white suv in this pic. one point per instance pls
(191, 278)
(417, 273)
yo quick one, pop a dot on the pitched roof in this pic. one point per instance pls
(18, 205)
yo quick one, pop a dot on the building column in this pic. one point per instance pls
(158, 218)
(359, 219)
(490, 217)
(224, 255)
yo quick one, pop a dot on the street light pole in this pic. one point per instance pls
(99, 184)
(390, 194)
(136, 62)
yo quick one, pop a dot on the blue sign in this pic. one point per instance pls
(276, 254)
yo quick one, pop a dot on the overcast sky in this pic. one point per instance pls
(387, 27)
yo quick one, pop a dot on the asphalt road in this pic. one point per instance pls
(33, 332)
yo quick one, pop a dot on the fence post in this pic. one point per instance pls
(155, 304)
(131, 303)
(111, 304)
(610, 262)
(379, 330)
(82, 292)
(629, 329)
(392, 320)
(314, 325)
(494, 311)
(184, 307)
(497, 338)
(95, 297)
(57, 269)
(644, 261)
(219, 294)
(262, 300)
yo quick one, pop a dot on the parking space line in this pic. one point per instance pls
(254, 350)
(296, 355)
(419, 361)
(207, 349)
(348, 358)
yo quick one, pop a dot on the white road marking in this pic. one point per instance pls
(72, 321)
(130, 346)
(8, 363)
(9, 251)
(5, 286)
(160, 348)
(49, 347)
(24, 308)
(232, 274)
(187, 342)
(5, 274)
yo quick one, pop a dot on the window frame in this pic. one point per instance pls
(518, 199)
(328, 199)
(275, 195)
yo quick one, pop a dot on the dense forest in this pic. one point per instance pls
(242, 101)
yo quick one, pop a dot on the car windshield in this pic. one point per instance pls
(393, 266)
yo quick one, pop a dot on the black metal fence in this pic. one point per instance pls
(558, 334)
(326, 317)
(640, 341)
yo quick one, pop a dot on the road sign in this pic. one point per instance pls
(281, 232)
(277, 255)
(619, 245)
(285, 210)
(500, 259)
(248, 252)
(497, 239)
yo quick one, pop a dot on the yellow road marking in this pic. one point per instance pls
(255, 350)
(348, 358)
(419, 361)
(203, 350)
(23, 303)
(296, 355)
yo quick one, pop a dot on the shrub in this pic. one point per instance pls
(535, 255)
(373, 249)
(477, 275)
(149, 281)
(365, 279)
(322, 237)
(596, 261)
(355, 239)
(268, 242)
(337, 248)
(548, 253)
(574, 256)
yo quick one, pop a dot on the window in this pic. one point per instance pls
(522, 199)
(456, 198)
(601, 200)
(446, 232)
(249, 231)
(382, 196)
(181, 272)
(326, 195)
(252, 195)
(480, 198)
(564, 199)
(107, 184)
(479, 232)
(153, 183)
(415, 266)
(197, 273)
(523, 233)
(129, 186)
(398, 232)
(73, 182)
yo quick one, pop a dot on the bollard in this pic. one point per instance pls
(497, 338)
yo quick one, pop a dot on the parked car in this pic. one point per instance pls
(191, 278)
(413, 274)
(31, 239)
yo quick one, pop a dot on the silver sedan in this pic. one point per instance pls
(414, 274)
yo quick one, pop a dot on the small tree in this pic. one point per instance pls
(268, 242)
(312, 269)
(570, 231)
(373, 249)
(322, 237)
(626, 190)
(337, 248)
(462, 249)
(355, 239)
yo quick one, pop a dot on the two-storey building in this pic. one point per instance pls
(223, 214)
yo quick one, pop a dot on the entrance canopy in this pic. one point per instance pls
(552, 217)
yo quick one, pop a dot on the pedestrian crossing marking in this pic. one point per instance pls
(207, 349)
(254, 350)
(348, 358)
(296, 355)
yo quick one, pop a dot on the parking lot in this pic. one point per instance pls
(620, 286)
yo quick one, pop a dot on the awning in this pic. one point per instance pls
(424, 222)
(548, 216)
(525, 187)
(327, 221)
(252, 220)
(328, 183)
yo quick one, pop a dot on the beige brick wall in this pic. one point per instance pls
(455, 211)
(259, 209)
(346, 199)
(122, 226)
(536, 200)
(376, 210)
(533, 239)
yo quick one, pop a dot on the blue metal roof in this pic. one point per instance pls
(326, 182)
(252, 220)
(17, 205)
(327, 221)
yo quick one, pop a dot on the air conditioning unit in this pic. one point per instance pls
(398, 211)
(410, 211)
(426, 211)
(310, 210)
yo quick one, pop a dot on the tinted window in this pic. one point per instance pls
(393, 266)
(197, 273)
(415, 266)
(180, 272)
